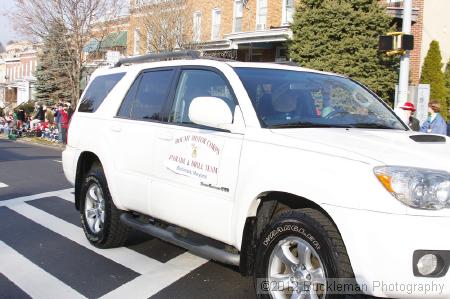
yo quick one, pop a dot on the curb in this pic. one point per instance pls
(35, 142)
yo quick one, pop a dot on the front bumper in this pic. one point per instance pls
(381, 248)
(69, 160)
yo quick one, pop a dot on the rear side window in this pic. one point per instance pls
(97, 91)
(146, 98)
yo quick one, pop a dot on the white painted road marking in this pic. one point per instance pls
(155, 276)
(21, 199)
(3, 185)
(149, 284)
(33, 280)
(124, 256)
(59, 161)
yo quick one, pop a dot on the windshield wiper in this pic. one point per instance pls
(371, 126)
(307, 125)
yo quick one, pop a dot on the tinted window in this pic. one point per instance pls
(198, 83)
(127, 104)
(97, 91)
(151, 95)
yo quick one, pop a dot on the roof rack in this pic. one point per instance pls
(288, 62)
(185, 54)
(189, 54)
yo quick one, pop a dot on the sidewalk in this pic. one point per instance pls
(37, 141)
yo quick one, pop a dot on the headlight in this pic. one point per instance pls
(416, 187)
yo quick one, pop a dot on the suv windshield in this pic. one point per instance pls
(285, 98)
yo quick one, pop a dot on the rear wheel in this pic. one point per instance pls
(297, 254)
(99, 216)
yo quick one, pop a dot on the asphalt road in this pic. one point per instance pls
(44, 254)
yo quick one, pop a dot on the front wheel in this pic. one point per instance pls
(297, 255)
(99, 216)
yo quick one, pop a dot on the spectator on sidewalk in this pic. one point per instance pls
(38, 116)
(11, 124)
(69, 110)
(58, 120)
(21, 117)
(409, 110)
(49, 116)
(64, 124)
(448, 124)
(435, 123)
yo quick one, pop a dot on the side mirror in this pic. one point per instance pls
(211, 112)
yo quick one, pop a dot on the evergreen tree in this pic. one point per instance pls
(44, 81)
(432, 74)
(342, 36)
(447, 82)
(52, 78)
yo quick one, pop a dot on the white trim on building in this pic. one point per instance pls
(215, 23)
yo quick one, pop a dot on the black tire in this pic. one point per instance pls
(323, 237)
(113, 233)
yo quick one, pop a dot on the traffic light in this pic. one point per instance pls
(396, 43)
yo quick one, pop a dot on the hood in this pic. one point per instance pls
(389, 147)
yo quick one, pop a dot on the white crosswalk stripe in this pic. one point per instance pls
(30, 278)
(154, 281)
(127, 257)
(154, 275)
(3, 185)
(22, 199)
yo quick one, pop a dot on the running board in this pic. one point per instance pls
(203, 250)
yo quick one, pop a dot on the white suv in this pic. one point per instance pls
(296, 176)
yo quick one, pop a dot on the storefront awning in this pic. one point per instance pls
(264, 36)
(115, 39)
(91, 46)
(112, 40)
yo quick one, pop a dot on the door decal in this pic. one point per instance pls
(195, 156)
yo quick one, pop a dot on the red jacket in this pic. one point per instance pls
(64, 119)
(43, 125)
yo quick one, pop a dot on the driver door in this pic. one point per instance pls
(196, 168)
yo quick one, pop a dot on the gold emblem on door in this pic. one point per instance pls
(194, 151)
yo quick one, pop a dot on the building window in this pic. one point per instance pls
(238, 14)
(197, 26)
(216, 16)
(281, 54)
(137, 41)
(261, 14)
(288, 12)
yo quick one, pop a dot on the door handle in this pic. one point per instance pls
(165, 136)
(116, 128)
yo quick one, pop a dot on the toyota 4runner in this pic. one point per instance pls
(303, 179)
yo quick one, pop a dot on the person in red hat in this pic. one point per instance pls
(409, 109)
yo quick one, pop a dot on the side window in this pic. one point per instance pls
(127, 103)
(198, 83)
(97, 91)
(146, 97)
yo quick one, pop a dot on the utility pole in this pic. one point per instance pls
(403, 84)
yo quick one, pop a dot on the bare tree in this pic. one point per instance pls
(167, 24)
(35, 18)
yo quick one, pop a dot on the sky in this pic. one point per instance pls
(6, 28)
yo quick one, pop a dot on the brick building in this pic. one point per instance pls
(108, 37)
(19, 65)
(249, 30)
(429, 23)
(255, 30)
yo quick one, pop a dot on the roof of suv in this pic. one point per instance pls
(205, 62)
